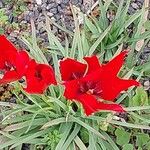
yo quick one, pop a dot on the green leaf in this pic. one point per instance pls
(79, 143)
(58, 26)
(53, 40)
(123, 137)
(72, 136)
(90, 25)
(84, 135)
(54, 122)
(88, 127)
(66, 127)
(92, 141)
(147, 25)
(140, 99)
(128, 147)
(142, 139)
(98, 41)
(1, 31)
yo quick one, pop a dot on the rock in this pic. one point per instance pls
(53, 10)
(59, 8)
(39, 2)
(50, 14)
(50, 6)
(148, 45)
(63, 5)
(53, 19)
(1, 4)
(65, 1)
(135, 5)
(11, 17)
(131, 10)
(74, 2)
(13, 34)
(147, 85)
(58, 1)
(58, 17)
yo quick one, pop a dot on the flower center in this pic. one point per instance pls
(91, 88)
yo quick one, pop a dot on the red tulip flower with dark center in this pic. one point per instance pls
(13, 63)
(38, 77)
(92, 83)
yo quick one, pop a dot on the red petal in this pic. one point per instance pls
(47, 73)
(35, 84)
(71, 89)
(70, 68)
(35, 87)
(7, 50)
(21, 62)
(93, 63)
(6, 46)
(112, 68)
(91, 105)
(10, 76)
(112, 87)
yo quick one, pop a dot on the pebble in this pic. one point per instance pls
(50, 6)
(39, 2)
(135, 5)
(58, 1)
(50, 14)
(147, 85)
(1, 4)
(65, 1)
(74, 2)
(148, 45)
(54, 11)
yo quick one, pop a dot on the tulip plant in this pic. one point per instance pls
(75, 102)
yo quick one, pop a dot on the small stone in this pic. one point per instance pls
(59, 8)
(55, 29)
(148, 45)
(44, 1)
(131, 10)
(53, 19)
(65, 1)
(63, 5)
(58, 1)
(74, 2)
(11, 17)
(30, 7)
(12, 39)
(36, 13)
(39, 2)
(54, 10)
(13, 34)
(58, 17)
(146, 85)
(50, 14)
(134, 5)
(51, 5)
(1, 4)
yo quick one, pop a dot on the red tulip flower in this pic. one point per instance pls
(93, 84)
(38, 77)
(13, 63)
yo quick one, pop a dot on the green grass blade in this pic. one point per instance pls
(79, 143)
(72, 136)
(66, 131)
(98, 41)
